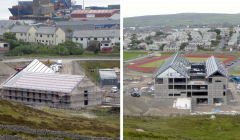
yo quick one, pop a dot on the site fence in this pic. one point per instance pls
(10, 56)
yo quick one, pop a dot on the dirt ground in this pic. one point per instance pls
(72, 68)
(144, 79)
(148, 106)
(5, 72)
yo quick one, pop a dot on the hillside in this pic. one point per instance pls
(181, 19)
(13, 113)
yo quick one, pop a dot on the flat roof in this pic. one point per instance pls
(107, 74)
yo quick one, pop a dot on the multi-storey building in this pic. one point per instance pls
(203, 82)
(38, 85)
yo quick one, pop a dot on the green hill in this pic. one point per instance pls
(181, 19)
(13, 113)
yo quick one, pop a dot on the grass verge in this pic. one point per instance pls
(182, 128)
(129, 55)
(87, 65)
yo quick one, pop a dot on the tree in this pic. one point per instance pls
(71, 46)
(183, 45)
(61, 49)
(215, 30)
(149, 37)
(93, 47)
(158, 33)
(69, 30)
(161, 47)
(116, 48)
(12, 44)
(230, 33)
(9, 35)
(219, 37)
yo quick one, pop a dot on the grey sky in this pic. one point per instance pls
(131, 8)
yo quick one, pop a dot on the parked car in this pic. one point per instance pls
(134, 94)
(225, 66)
(229, 65)
(232, 63)
(114, 89)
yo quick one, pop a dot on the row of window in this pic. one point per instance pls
(34, 100)
(29, 34)
(95, 38)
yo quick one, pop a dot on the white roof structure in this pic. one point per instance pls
(44, 81)
(37, 76)
(107, 74)
(37, 66)
(213, 66)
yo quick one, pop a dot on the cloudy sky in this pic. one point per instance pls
(131, 8)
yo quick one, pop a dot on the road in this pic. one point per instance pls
(65, 60)
(234, 66)
(139, 58)
(220, 46)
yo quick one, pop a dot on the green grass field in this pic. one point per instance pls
(224, 127)
(159, 62)
(234, 72)
(129, 55)
(87, 65)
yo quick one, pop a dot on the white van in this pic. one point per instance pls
(59, 63)
(114, 89)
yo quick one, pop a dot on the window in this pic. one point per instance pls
(85, 91)
(25, 40)
(25, 34)
(62, 41)
(218, 81)
(86, 102)
(48, 36)
(33, 94)
(33, 100)
(46, 40)
(21, 34)
(28, 99)
(105, 44)
(210, 80)
(37, 35)
(29, 34)
(224, 93)
(224, 86)
(28, 94)
(40, 35)
(57, 36)
(40, 101)
(46, 96)
(103, 38)
(81, 39)
(95, 38)
(52, 41)
(10, 92)
(107, 38)
(52, 35)
(15, 98)
(22, 93)
(119, 38)
(76, 39)
(88, 38)
(42, 40)
(159, 81)
(15, 93)
(39, 95)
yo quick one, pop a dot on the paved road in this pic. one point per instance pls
(63, 59)
(234, 66)
(220, 45)
(139, 58)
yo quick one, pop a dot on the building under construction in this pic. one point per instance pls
(38, 85)
(203, 82)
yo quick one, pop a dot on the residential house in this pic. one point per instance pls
(191, 48)
(74, 28)
(152, 48)
(50, 35)
(24, 32)
(207, 45)
(86, 36)
(106, 46)
(196, 42)
(171, 47)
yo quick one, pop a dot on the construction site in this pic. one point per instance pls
(34, 83)
(179, 87)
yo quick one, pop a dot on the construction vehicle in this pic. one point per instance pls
(47, 63)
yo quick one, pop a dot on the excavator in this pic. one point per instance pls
(47, 63)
